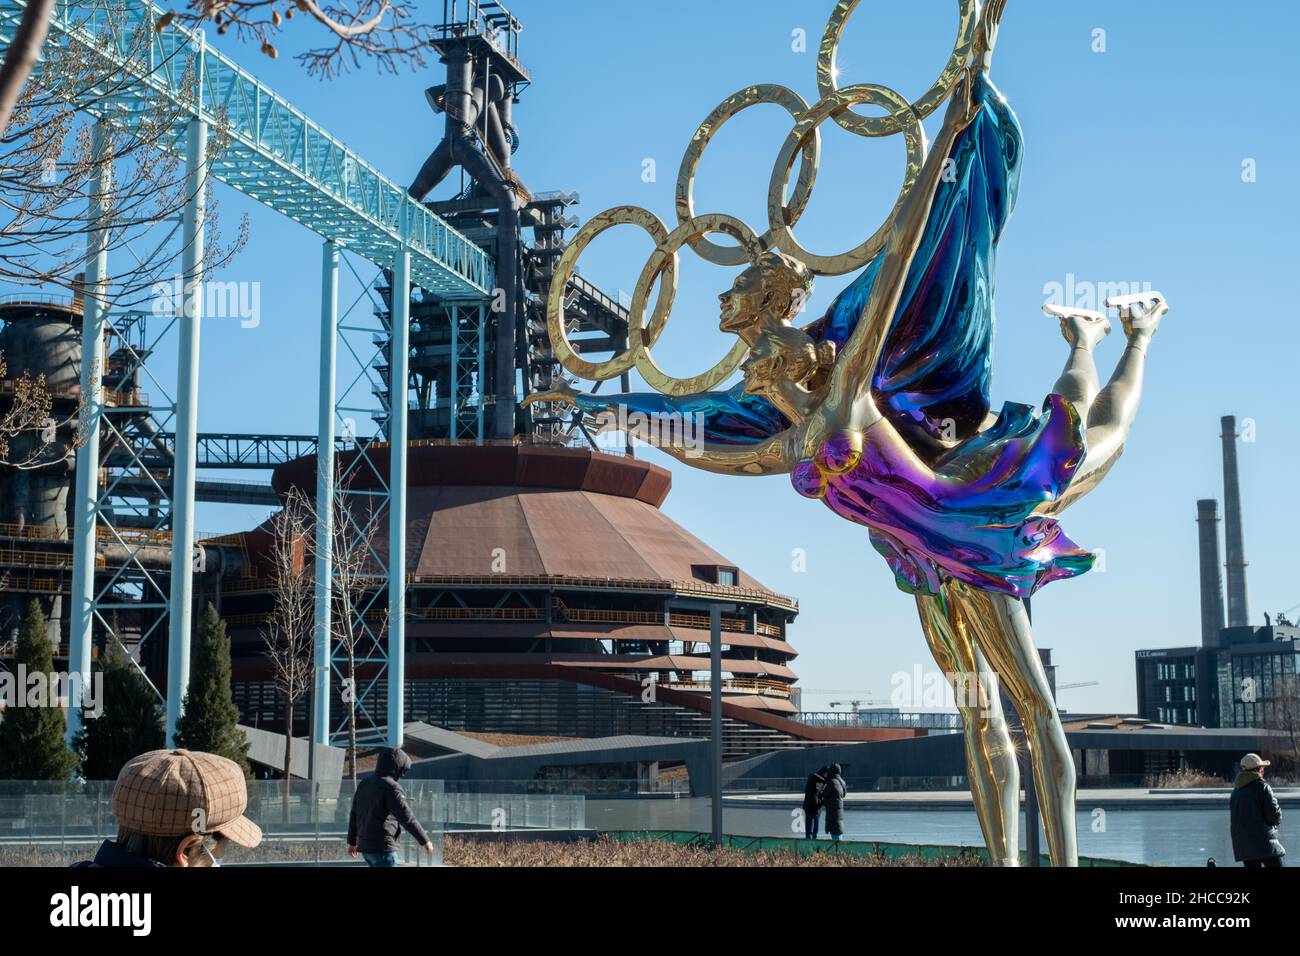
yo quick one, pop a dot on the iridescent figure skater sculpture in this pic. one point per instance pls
(881, 408)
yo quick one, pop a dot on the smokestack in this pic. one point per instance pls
(1207, 526)
(1234, 542)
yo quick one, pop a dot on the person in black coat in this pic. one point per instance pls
(1255, 817)
(380, 812)
(833, 792)
(812, 802)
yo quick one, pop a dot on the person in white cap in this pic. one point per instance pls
(1255, 816)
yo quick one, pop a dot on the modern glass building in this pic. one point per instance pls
(1239, 683)
(1255, 672)
(1171, 686)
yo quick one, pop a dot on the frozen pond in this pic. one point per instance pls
(1166, 836)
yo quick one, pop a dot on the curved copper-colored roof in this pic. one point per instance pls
(521, 466)
(582, 524)
(520, 511)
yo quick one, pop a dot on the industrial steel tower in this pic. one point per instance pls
(471, 365)
(109, 544)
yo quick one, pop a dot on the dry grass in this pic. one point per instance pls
(512, 740)
(602, 852)
(605, 852)
(675, 773)
(1178, 779)
(43, 856)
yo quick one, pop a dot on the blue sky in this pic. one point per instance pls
(1133, 173)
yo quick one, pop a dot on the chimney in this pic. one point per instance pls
(1234, 542)
(1207, 526)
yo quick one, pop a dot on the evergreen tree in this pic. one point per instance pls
(32, 744)
(211, 719)
(130, 723)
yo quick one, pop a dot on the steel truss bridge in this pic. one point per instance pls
(284, 159)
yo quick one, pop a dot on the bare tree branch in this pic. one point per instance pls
(346, 31)
(54, 171)
(24, 50)
(378, 30)
(1283, 714)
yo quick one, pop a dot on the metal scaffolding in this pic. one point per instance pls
(364, 349)
(276, 153)
(279, 156)
(468, 338)
(466, 363)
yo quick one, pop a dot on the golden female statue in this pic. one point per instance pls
(881, 409)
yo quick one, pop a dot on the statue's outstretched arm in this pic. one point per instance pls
(684, 441)
(861, 353)
(771, 456)
(856, 365)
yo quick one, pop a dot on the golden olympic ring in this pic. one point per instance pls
(837, 105)
(968, 16)
(795, 105)
(803, 141)
(663, 261)
(642, 335)
(556, 324)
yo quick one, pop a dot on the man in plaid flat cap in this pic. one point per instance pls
(177, 808)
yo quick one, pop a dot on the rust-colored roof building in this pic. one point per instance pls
(547, 594)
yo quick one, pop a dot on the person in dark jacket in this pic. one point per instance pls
(380, 812)
(833, 792)
(812, 802)
(1255, 816)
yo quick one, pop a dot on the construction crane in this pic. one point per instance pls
(1281, 616)
(855, 698)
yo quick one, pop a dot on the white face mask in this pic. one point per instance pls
(213, 859)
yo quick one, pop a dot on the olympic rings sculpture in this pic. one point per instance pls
(784, 210)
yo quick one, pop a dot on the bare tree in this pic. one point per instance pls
(22, 55)
(69, 155)
(374, 29)
(288, 633)
(72, 151)
(1284, 715)
(355, 583)
(53, 166)
(26, 410)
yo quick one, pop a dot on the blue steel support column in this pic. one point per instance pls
(482, 365)
(453, 416)
(715, 723)
(85, 506)
(329, 321)
(187, 419)
(399, 360)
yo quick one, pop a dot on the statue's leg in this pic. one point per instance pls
(1001, 630)
(1117, 404)
(1113, 410)
(990, 755)
(1079, 382)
